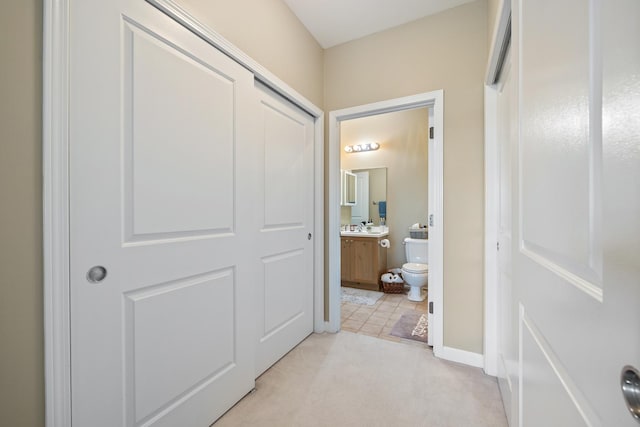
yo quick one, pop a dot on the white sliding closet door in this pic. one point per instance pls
(162, 191)
(285, 242)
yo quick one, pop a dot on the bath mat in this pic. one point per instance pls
(360, 296)
(412, 325)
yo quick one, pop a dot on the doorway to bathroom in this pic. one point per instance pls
(426, 181)
(390, 194)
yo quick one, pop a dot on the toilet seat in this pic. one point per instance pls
(412, 267)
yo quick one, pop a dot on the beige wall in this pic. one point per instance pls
(403, 136)
(272, 35)
(21, 329)
(446, 51)
(493, 7)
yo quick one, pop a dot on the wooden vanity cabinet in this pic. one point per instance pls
(362, 262)
(345, 258)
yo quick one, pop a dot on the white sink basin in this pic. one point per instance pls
(374, 232)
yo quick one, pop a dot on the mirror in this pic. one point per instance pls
(349, 185)
(371, 196)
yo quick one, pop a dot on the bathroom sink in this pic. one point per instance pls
(374, 232)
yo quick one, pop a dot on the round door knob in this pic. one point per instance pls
(96, 274)
(630, 384)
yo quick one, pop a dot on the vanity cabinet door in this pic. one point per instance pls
(362, 261)
(365, 260)
(345, 259)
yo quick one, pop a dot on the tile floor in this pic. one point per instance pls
(377, 320)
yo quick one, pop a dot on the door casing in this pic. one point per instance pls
(434, 100)
(500, 42)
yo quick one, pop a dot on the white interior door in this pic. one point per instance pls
(431, 197)
(360, 212)
(507, 333)
(285, 241)
(577, 209)
(432, 172)
(161, 190)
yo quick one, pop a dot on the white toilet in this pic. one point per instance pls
(416, 271)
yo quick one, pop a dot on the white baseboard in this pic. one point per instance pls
(461, 356)
(328, 328)
(320, 327)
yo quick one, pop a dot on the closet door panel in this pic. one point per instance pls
(285, 243)
(161, 221)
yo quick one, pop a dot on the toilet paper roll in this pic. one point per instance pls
(385, 243)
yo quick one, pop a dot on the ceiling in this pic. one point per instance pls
(333, 22)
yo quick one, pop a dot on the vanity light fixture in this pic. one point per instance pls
(362, 147)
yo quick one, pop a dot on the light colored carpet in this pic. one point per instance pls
(348, 379)
(359, 296)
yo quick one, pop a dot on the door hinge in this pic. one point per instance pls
(430, 307)
(431, 132)
(431, 220)
(497, 246)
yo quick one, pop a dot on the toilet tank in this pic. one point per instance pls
(417, 250)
